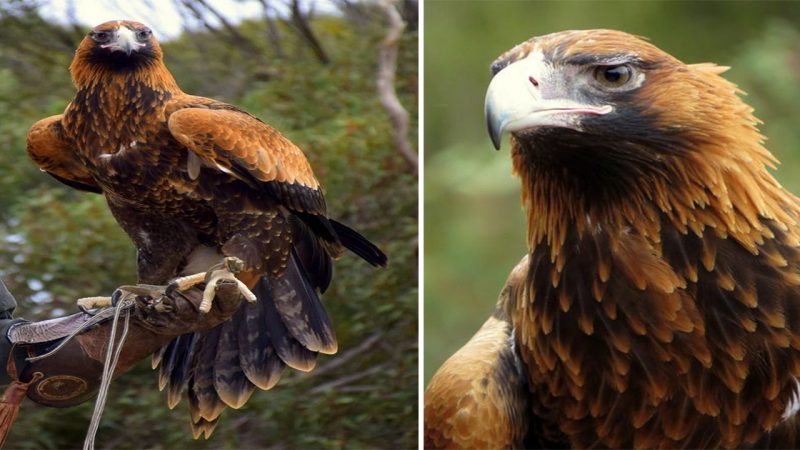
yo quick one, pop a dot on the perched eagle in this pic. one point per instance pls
(192, 181)
(659, 303)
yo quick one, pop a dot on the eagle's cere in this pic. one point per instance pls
(192, 181)
(659, 304)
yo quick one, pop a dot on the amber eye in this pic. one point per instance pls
(613, 76)
(101, 36)
(143, 34)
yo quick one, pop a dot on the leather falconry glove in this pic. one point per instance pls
(72, 374)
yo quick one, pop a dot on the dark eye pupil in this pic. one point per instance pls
(614, 74)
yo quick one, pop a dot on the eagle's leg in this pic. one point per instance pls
(226, 270)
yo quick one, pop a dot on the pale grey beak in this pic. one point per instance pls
(526, 95)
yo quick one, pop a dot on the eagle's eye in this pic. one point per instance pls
(143, 34)
(613, 76)
(100, 36)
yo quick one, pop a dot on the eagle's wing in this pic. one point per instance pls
(51, 151)
(479, 398)
(224, 138)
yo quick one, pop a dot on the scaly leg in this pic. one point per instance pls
(226, 270)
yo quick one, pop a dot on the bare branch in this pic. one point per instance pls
(300, 22)
(347, 356)
(231, 33)
(374, 370)
(273, 34)
(387, 67)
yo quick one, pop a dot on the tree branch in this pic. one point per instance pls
(302, 26)
(273, 34)
(387, 67)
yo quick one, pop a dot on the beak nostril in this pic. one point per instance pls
(533, 81)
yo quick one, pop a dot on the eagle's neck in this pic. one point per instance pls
(642, 287)
(116, 111)
(623, 189)
(151, 73)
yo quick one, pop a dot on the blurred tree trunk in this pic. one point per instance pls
(387, 68)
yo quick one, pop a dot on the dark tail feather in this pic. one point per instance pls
(257, 355)
(201, 426)
(158, 356)
(359, 245)
(301, 310)
(204, 428)
(287, 325)
(204, 402)
(176, 362)
(287, 347)
(320, 225)
(314, 258)
(231, 383)
(165, 364)
(181, 369)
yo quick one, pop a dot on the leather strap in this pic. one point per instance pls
(13, 396)
(53, 329)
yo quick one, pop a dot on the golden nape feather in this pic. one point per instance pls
(661, 305)
(192, 181)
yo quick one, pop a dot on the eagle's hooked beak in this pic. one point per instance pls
(124, 41)
(526, 95)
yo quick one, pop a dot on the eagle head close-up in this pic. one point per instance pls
(604, 99)
(659, 301)
(119, 45)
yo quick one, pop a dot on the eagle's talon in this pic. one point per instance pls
(87, 303)
(171, 288)
(224, 271)
(86, 310)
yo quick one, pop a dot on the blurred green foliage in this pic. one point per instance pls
(57, 245)
(474, 229)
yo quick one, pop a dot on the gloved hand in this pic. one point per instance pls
(72, 375)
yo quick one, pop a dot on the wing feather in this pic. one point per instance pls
(51, 151)
(235, 142)
(480, 397)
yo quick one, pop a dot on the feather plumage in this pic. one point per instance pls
(182, 173)
(661, 286)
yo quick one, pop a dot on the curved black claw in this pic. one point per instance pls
(170, 289)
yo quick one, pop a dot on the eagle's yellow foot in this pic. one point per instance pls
(87, 303)
(225, 270)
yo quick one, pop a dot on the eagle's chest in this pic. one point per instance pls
(638, 342)
(132, 156)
